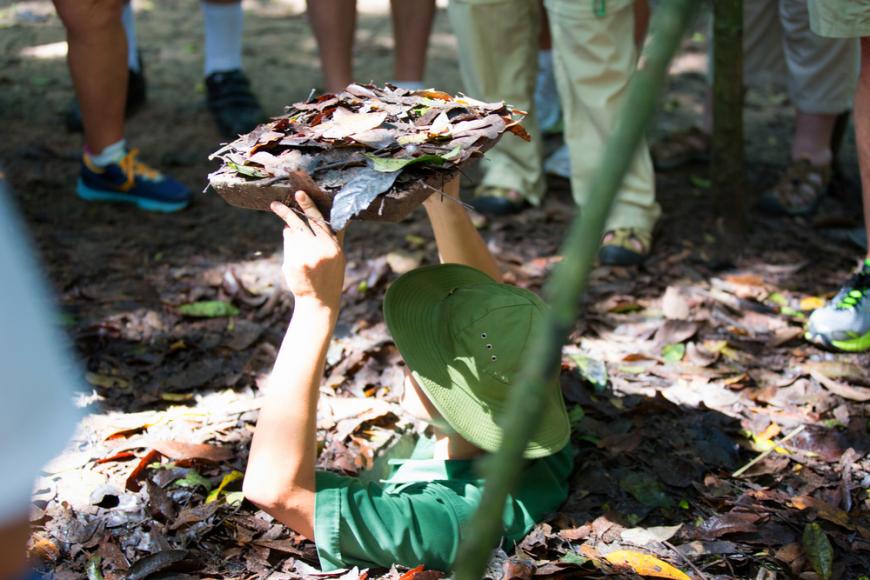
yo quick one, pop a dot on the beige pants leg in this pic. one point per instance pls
(594, 56)
(763, 59)
(498, 51)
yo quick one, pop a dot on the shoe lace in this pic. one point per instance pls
(133, 167)
(855, 291)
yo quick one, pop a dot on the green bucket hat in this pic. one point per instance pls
(464, 337)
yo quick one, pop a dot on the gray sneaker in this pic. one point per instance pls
(844, 322)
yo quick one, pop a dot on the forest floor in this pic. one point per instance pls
(685, 369)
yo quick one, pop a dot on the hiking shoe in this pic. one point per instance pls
(844, 322)
(131, 181)
(496, 201)
(232, 104)
(625, 247)
(136, 96)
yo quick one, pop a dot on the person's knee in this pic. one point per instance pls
(83, 17)
(865, 60)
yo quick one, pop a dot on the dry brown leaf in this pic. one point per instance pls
(179, 450)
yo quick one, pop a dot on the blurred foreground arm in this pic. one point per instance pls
(280, 472)
(458, 240)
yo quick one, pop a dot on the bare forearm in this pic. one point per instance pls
(280, 473)
(458, 240)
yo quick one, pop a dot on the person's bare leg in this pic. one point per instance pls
(98, 66)
(334, 23)
(862, 130)
(812, 137)
(412, 25)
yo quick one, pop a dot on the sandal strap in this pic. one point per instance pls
(802, 185)
(623, 238)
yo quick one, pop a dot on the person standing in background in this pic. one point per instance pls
(110, 171)
(233, 106)
(334, 26)
(594, 56)
(844, 322)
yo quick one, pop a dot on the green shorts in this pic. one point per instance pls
(840, 18)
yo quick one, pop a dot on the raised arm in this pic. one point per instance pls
(458, 240)
(280, 473)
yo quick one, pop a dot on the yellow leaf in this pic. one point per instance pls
(106, 381)
(228, 479)
(811, 303)
(176, 397)
(644, 565)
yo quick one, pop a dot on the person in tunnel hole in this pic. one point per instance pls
(463, 334)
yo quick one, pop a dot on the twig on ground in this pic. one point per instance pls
(701, 575)
(767, 452)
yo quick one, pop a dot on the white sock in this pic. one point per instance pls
(223, 36)
(128, 19)
(111, 154)
(409, 85)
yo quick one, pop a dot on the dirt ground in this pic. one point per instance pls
(684, 371)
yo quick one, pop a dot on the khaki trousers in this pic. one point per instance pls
(820, 73)
(594, 56)
(498, 61)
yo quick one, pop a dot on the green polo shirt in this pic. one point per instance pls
(418, 514)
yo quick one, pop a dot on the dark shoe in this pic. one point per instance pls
(235, 108)
(493, 200)
(131, 181)
(136, 96)
(626, 247)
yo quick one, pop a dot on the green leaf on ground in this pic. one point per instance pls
(574, 558)
(193, 480)
(208, 309)
(818, 550)
(576, 414)
(700, 182)
(591, 370)
(93, 569)
(645, 489)
(674, 352)
(234, 498)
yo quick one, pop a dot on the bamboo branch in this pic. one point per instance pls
(567, 283)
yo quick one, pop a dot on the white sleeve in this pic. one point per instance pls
(37, 377)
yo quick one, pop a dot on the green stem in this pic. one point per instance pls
(567, 284)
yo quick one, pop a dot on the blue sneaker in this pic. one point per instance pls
(131, 181)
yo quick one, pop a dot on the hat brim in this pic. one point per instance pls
(413, 309)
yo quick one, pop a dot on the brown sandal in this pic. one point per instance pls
(799, 191)
(681, 148)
